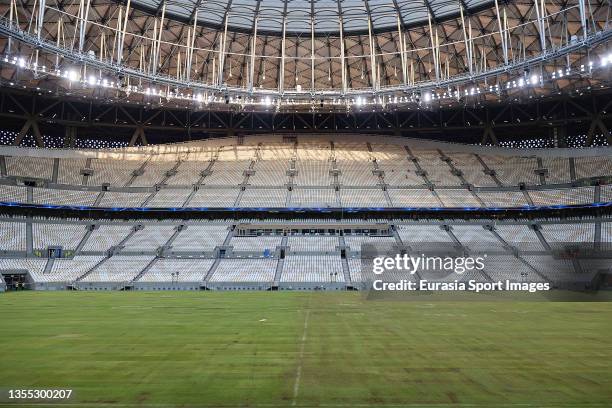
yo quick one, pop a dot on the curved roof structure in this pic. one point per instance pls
(300, 16)
(305, 54)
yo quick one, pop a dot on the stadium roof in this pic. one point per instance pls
(306, 55)
(302, 15)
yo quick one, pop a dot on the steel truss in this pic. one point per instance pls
(147, 48)
(41, 114)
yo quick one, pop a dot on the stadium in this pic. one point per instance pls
(234, 203)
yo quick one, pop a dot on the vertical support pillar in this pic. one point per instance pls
(281, 72)
(41, 17)
(583, 19)
(373, 67)
(222, 50)
(400, 38)
(572, 168)
(253, 48)
(190, 46)
(312, 50)
(83, 24)
(539, 6)
(159, 39)
(342, 58)
(434, 51)
(55, 170)
(502, 33)
(597, 194)
(121, 37)
(29, 238)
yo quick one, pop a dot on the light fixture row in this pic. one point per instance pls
(526, 79)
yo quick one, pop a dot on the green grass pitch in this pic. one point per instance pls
(282, 349)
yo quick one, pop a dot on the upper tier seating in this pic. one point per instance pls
(29, 167)
(13, 194)
(227, 173)
(255, 244)
(151, 236)
(116, 172)
(12, 236)
(271, 172)
(200, 238)
(65, 197)
(263, 197)
(307, 174)
(106, 237)
(67, 236)
(303, 197)
(169, 198)
(312, 243)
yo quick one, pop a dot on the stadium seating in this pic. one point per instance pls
(63, 235)
(131, 246)
(245, 270)
(118, 269)
(68, 270)
(177, 270)
(319, 269)
(112, 254)
(12, 236)
(414, 173)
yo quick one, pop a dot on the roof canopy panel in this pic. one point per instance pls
(297, 14)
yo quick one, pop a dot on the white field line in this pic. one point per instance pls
(298, 374)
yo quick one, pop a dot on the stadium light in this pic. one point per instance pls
(72, 75)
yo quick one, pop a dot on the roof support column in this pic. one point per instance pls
(502, 33)
(434, 50)
(121, 37)
(190, 46)
(539, 6)
(373, 66)
(84, 16)
(312, 50)
(222, 50)
(466, 42)
(41, 17)
(159, 39)
(583, 19)
(253, 48)
(402, 48)
(281, 73)
(342, 57)
(14, 22)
